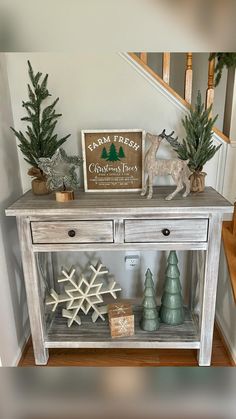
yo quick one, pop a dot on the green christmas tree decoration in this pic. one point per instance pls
(150, 321)
(113, 155)
(172, 310)
(39, 140)
(104, 154)
(121, 153)
(198, 146)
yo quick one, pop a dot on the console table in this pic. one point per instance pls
(122, 221)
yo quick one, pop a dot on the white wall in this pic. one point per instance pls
(13, 312)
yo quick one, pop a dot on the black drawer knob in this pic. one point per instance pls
(166, 232)
(71, 233)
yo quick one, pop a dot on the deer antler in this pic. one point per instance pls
(173, 141)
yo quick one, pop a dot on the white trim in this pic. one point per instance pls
(153, 81)
(227, 340)
(221, 164)
(21, 348)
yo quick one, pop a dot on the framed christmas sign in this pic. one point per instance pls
(113, 160)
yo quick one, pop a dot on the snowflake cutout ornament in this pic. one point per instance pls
(61, 170)
(82, 294)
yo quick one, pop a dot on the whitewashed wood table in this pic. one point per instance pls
(119, 221)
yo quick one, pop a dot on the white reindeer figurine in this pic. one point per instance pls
(177, 168)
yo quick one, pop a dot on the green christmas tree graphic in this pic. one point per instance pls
(121, 153)
(104, 154)
(113, 155)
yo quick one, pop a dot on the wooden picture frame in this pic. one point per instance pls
(113, 160)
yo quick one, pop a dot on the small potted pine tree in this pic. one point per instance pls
(39, 139)
(198, 146)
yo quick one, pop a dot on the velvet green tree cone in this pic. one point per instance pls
(172, 310)
(150, 321)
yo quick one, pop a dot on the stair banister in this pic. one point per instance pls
(211, 84)
(188, 77)
(166, 67)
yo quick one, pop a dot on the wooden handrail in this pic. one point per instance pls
(188, 78)
(171, 90)
(166, 67)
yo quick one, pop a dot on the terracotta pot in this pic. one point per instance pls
(39, 187)
(197, 181)
(64, 196)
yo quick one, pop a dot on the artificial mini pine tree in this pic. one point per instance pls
(172, 311)
(150, 321)
(39, 139)
(198, 146)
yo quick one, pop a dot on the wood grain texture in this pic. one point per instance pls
(188, 78)
(209, 290)
(101, 205)
(166, 67)
(47, 216)
(33, 292)
(129, 357)
(97, 335)
(84, 231)
(149, 231)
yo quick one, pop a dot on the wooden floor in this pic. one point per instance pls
(129, 357)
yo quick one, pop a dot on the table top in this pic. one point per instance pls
(121, 203)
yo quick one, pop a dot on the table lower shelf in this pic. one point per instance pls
(97, 335)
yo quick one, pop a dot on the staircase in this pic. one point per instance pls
(142, 60)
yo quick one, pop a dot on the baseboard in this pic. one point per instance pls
(229, 345)
(21, 348)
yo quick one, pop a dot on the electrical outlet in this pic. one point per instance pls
(132, 261)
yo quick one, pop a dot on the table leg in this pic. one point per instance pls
(33, 292)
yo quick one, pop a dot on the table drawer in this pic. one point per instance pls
(72, 231)
(148, 231)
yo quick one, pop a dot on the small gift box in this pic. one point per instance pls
(121, 320)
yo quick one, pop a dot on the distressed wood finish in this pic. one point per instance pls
(62, 232)
(33, 291)
(98, 335)
(207, 314)
(98, 205)
(194, 223)
(152, 230)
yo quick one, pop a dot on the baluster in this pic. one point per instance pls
(166, 67)
(143, 57)
(211, 84)
(188, 78)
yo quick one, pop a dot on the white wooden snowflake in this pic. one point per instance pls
(82, 294)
